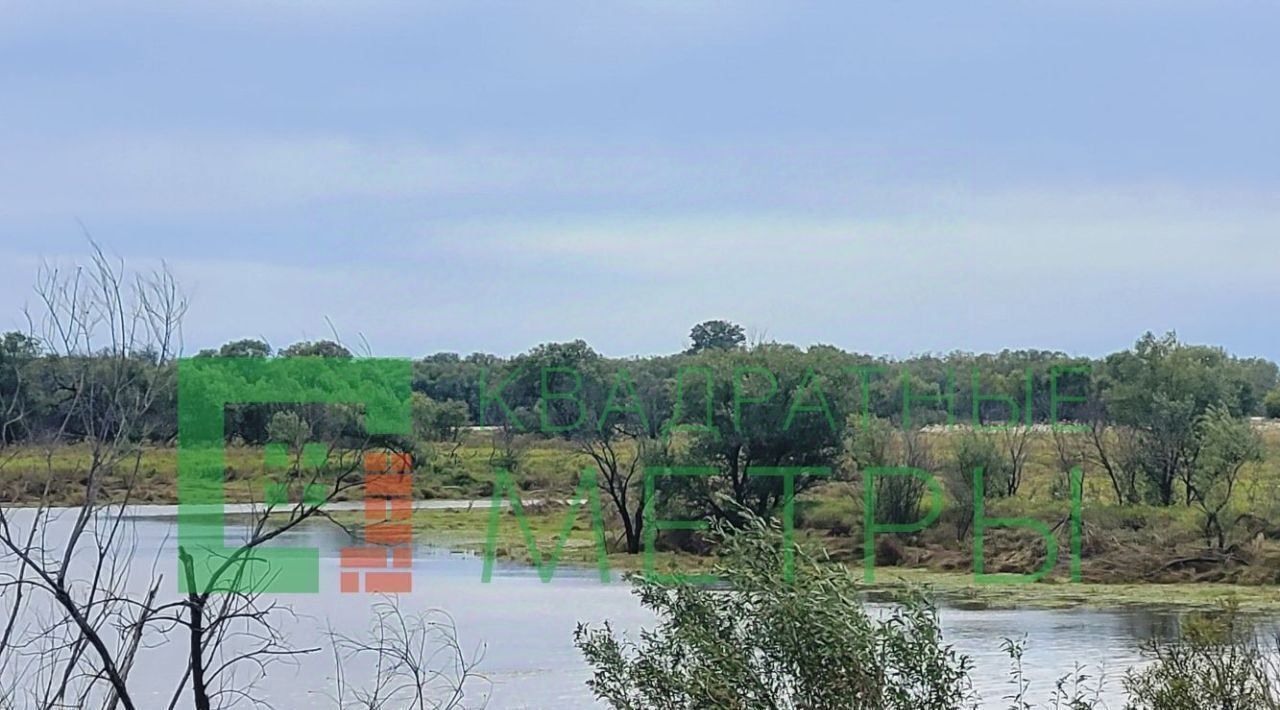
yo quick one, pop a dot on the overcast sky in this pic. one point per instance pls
(888, 177)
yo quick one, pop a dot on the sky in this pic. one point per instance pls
(887, 177)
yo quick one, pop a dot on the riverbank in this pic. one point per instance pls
(1126, 551)
(454, 471)
(463, 525)
(467, 529)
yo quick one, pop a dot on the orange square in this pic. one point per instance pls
(389, 534)
(376, 462)
(378, 509)
(350, 582)
(388, 582)
(402, 556)
(401, 462)
(389, 485)
(388, 462)
(367, 556)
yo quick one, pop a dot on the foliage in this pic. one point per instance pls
(289, 428)
(1077, 690)
(247, 347)
(1158, 391)
(877, 443)
(1226, 444)
(715, 335)
(762, 641)
(1271, 404)
(319, 348)
(772, 406)
(437, 421)
(1217, 664)
(973, 452)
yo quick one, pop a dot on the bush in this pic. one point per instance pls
(877, 443)
(288, 428)
(1217, 664)
(1271, 405)
(764, 641)
(437, 421)
(972, 452)
(841, 514)
(898, 499)
(758, 640)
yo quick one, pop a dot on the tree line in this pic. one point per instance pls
(1164, 420)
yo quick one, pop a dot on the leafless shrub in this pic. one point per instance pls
(415, 661)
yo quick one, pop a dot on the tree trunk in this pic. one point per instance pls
(196, 660)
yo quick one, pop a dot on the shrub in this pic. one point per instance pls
(288, 428)
(763, 641)
(841, 514)
(1216, 664)
(877, 443)
(972, 452)
(1271, 405)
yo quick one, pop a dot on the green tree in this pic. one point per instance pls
(290, 429)
(763, 641)
(716, 335)
(877, 443)
(560, 371)
(247, 347)
(773, 406)
(626, 406)
(974, 451)
(437, 421)
(1226, 445)
(246, 420)
(17, 353)
(319, 348)
(1271, 405)
(1157, 391)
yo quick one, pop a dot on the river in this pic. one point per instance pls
(525, 626)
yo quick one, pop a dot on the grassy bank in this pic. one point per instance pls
(1130, 553)
(468, 530)
(460, 470)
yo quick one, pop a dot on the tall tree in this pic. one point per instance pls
(716, 335)
(1158, 390)
(1226, 444)
(627, 405)
(773, 406)
(246, 347)
(318, 348)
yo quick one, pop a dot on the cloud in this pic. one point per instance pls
(1114, 229)
(175, 174)
(1027, 268)
(472, 246)
(1077, 270)
(171, 175)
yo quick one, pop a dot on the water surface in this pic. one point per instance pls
(524, 627)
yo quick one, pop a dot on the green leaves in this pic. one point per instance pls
(761, 642)
(1217, 664)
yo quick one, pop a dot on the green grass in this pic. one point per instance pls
(961, 589)
(468, 530)
(29, 474)
(1123, 544)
